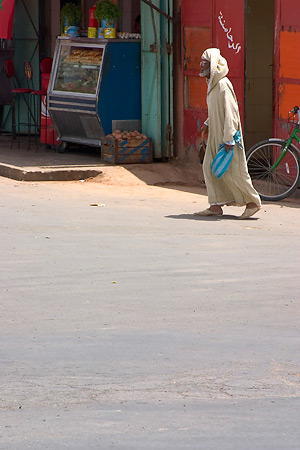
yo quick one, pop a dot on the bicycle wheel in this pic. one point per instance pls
(273, 183)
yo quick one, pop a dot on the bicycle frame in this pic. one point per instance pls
(294, 135)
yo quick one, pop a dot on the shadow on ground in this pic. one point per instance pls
(209, 218)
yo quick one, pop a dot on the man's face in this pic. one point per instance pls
(204, 68)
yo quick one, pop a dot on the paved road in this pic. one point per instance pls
(135, 325)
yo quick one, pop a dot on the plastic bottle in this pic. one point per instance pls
(93, 23)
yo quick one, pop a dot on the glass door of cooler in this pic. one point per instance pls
(78, 68)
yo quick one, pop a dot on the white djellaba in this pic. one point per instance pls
(235, 187)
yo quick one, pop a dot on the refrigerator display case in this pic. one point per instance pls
(94, 88)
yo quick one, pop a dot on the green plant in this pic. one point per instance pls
(70, 13)
(106, 9)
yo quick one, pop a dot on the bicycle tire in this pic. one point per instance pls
(277, 184)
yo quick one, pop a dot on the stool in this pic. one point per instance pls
(18, 93)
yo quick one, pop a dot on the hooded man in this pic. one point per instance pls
(235, 186)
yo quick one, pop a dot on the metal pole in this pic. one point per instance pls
(159, 10)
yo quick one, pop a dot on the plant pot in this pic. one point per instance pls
(92, 32)
(73, 31)
(109, 28)
(109, 33)
(100, 33)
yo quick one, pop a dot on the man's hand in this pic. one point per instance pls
(204, 129)
(229, 148)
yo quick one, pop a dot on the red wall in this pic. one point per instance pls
(204, 24)
(287, 63)
(215, 23)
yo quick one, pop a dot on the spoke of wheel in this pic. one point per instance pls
(272, 182)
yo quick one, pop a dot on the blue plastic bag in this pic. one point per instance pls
(221, 162)
(223, 158)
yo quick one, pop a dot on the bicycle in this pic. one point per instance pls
(274, 164)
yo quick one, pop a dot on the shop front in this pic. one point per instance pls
(259, 41)
(151, 92)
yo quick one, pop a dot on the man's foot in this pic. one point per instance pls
(212, 211)
(250, 211)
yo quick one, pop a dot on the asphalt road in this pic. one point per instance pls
(135, 325)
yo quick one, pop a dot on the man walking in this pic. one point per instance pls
(235, 187)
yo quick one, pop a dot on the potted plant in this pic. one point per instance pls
(70, 18)
(106, 13)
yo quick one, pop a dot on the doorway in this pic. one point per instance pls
(157, 76)
(259, 25)
(131, 10)
(28, 44)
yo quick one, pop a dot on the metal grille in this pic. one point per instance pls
(77, 125)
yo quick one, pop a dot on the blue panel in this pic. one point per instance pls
(120, 88)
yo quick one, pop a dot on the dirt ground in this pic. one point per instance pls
(152, 175)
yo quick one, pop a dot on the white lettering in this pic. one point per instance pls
(236, 47)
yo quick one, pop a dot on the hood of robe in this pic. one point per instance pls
(218, 66)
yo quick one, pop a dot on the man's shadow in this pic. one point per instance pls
(207, 218)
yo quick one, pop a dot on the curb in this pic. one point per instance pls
(30, 174)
